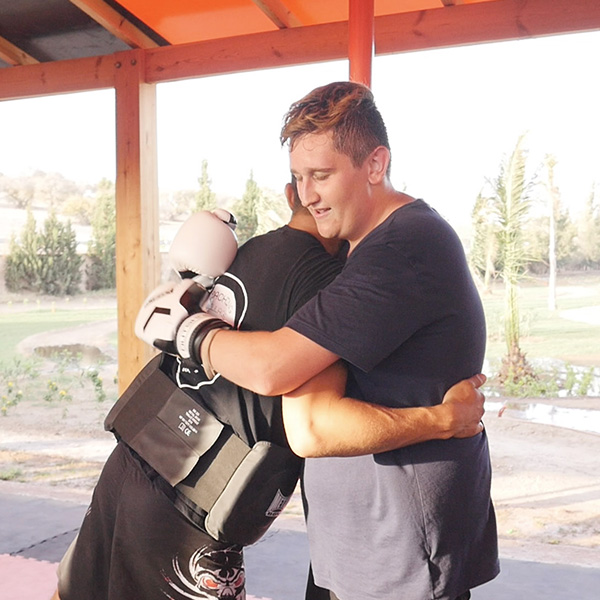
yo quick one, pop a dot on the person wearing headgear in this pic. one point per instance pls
(415, 523)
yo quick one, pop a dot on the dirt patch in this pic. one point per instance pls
(546, 491)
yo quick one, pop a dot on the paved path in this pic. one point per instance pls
(37, 524)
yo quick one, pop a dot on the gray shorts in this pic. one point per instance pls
(134, 544)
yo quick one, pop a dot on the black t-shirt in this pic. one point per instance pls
(272, 276)
(406, 316)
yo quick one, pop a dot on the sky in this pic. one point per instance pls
(452, 116)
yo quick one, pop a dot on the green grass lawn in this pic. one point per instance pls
(16, 326)
(545, 333)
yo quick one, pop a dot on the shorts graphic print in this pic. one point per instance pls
(209, 573)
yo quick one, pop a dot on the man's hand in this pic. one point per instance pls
(464, 401)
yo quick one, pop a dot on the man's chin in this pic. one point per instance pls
(326, 233)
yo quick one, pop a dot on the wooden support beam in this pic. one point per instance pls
(138, 258)
(403, 32)
(58, 77)
(13, 55)
(483, 22)
(299, 45)
(115, 23)
(361, 33)
(442, 27)
(279, 13)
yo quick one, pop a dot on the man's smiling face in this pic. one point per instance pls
(335, 191)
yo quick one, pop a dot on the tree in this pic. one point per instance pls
(19, 190)
(553, 210)
(53, 189)
(484, 247)
(60, 262)
(588, 232)
(536, 235)
(23, 261)
(101, 269)
(45, 261)
(205, 198)
(511, 201)
(246, 210)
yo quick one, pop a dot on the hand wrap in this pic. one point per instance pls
(194, 337)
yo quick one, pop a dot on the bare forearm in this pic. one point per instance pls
(268, 363)
(321, 421)
(349, 427)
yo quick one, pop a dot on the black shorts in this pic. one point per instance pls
(134, 544)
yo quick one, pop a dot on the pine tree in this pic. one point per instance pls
(205, 198)
(246, 210)
(101, 269)
(23, 263)
(60, 265)
(45, 261)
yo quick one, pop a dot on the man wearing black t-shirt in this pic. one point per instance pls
(415, 523)
(134, 542)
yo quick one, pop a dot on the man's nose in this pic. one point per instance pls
(307, 193)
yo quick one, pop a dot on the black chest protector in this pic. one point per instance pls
(228, 488)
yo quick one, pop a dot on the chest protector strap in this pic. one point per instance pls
(232, 490)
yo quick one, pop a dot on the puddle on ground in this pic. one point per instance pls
(89, 355)
(579, 419)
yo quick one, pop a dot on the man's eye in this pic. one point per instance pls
(321, 176)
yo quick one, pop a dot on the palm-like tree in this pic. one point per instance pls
(510, 203)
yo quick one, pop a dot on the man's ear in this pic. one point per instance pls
(378, 163)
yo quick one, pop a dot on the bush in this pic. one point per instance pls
(45, 262)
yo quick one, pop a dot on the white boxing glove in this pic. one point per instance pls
(165, 309)
(205, 246)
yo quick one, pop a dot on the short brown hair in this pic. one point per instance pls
(347, 110)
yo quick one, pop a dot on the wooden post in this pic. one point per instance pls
(361, 35)
(138, 258)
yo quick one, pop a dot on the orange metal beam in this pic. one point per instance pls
(361, 43)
